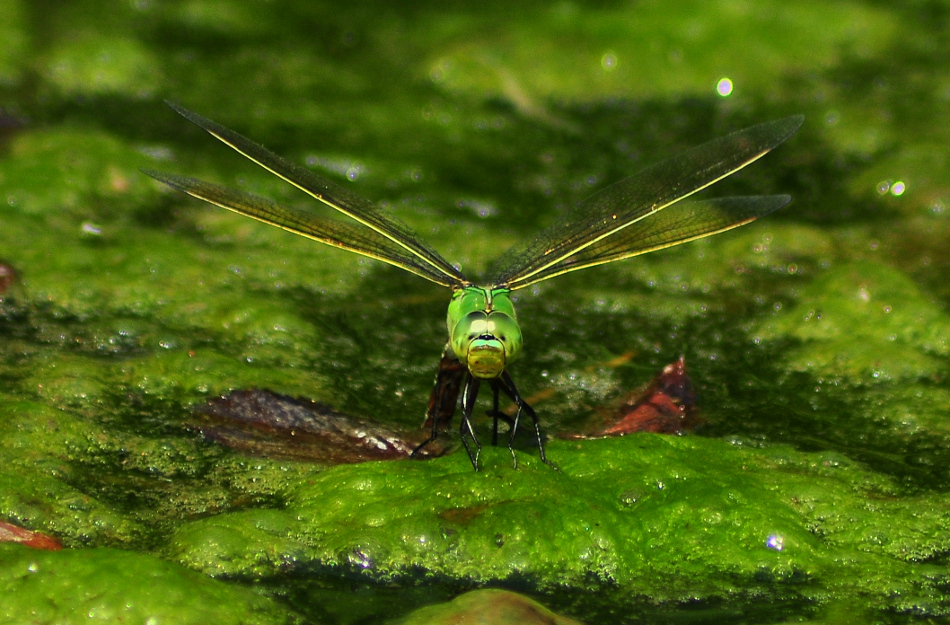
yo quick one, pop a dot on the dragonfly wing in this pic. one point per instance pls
(333, 232)
(330, 193)
(641, 195)
(680, 223)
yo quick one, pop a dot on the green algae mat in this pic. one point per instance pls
(815, 488)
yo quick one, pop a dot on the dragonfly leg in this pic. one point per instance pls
(494, 413)
(497, 414)
(508, 386)
(469, 394)
(444, 396)
(496, 386)
(511, 438)
(434, 434)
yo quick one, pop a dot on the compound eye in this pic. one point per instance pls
(467, 330)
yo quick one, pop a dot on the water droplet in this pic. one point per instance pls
(630, 497)
(724, 87)
(775, 541)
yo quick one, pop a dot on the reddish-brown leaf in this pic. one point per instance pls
(10, 533)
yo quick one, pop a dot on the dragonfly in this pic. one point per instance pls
(639, 214)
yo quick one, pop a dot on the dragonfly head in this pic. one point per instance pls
(486, 342)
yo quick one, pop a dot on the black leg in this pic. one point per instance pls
(508, 386)
(434, 434)
(454, 380)
(494, 413)
(511, 436)
(469, 394)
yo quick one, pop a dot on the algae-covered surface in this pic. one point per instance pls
(818, 339)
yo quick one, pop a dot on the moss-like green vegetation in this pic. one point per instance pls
(111, 586)
(818, 339)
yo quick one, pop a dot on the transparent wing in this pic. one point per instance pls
(677, 224)
(617, 207)
(333, 195)
(347, 236)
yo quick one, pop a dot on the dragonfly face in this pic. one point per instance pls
(483, 331)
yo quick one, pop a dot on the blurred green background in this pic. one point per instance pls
(818, 338)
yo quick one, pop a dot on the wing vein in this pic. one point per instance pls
(632, 200)
(331, 194)
(332, 232)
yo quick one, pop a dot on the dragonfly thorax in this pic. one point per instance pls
(483, 330)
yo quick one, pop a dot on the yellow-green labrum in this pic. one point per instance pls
(483, 330)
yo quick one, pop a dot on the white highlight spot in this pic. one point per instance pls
(775, 541)
(724, 87)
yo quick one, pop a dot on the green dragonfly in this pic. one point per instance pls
(639, 214)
